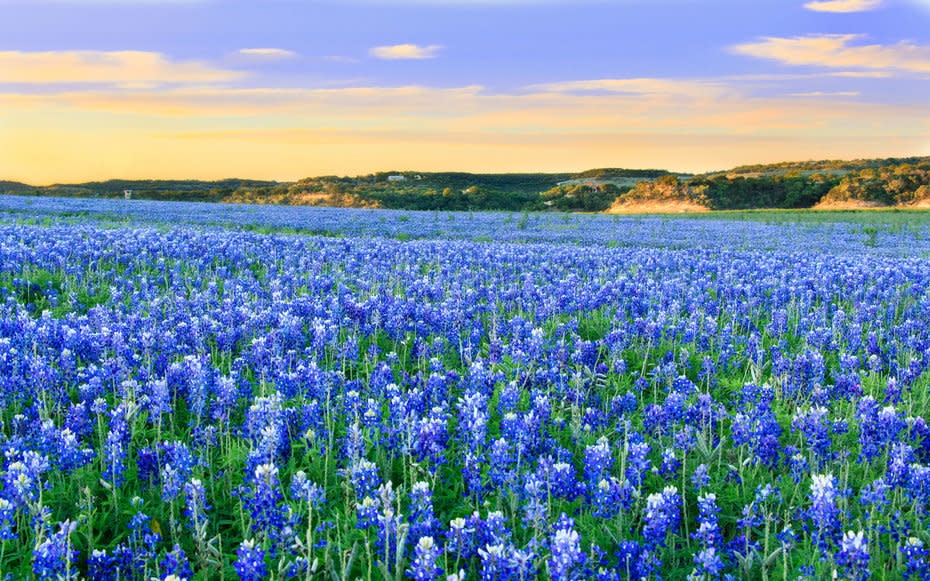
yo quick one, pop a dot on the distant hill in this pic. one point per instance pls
(606, 173)
(889, 182)
(7, 186)
(796, 184)
(118, 186)
(834, 166)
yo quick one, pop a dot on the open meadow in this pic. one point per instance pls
(201, 391)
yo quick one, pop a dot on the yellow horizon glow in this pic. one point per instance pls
(90, 158)
(142, 124)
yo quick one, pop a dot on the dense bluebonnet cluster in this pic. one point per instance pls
(633, 399)
(597, 229)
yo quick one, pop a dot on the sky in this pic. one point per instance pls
(286, 89)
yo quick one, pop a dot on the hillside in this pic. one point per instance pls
(805, 184)
(9, 187)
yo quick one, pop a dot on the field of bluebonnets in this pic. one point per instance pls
(208, 392)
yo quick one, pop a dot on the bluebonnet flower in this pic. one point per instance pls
(471, 475)
(700, 478)
(425, 562)
(875, 493)
(919, 433)
(560, 479)
(900, 461)
(389, 525)
(916, 564)
(818, 429)
(115, 448)
(422, 519)
(460, 539)
(354, 443)
(54, 558)
(823, 511)
(759, 430)
(265, 425)
(631, 560)
(364, 478)
(147, 465)
(492, 529)
(501, 459)
(172, 480)
(798, 464)
(708, 532)
(262, 498)
(250, 563)
(496, 563)
(305, 490)
(430, 438)
(637, 463)
(120, 563)
(567, 558)
(22, 478)
(534, 501)
(610, 497)
(367, 512)
(853, 556)
(708, 564)
(70, 453)
(878, 427)
(598, 461)
(663, 514)
(670, 464)
(523, 562)
(143, 538)
(7, 520)
(196, 506)
(175, 563)
(177, 464)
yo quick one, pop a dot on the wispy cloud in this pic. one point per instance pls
(639, 86)
(826, 94)
(336, 58)
(472, 108)
(405, 51)
(838, 51)
(843, 6)
(112, 68)
(267, 53)
(191, 131)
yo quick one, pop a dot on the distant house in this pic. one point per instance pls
(397, 178)
(127, 194)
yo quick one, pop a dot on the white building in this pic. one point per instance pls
(397, 178)
(127, 194)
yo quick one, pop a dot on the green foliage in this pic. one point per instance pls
(902, 184)
(613, 172)
(878, 182)
(583, 197)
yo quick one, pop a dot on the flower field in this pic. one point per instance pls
(202, 392)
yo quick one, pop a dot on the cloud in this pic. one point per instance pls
(125, 68)
(336, 58)
(826, 94)
(405, 51)
(843, 6)
(473, 108)
(639, 86)
(837, 51)
(267, 53)
(281, 132)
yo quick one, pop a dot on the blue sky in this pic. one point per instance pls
(284, 89)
